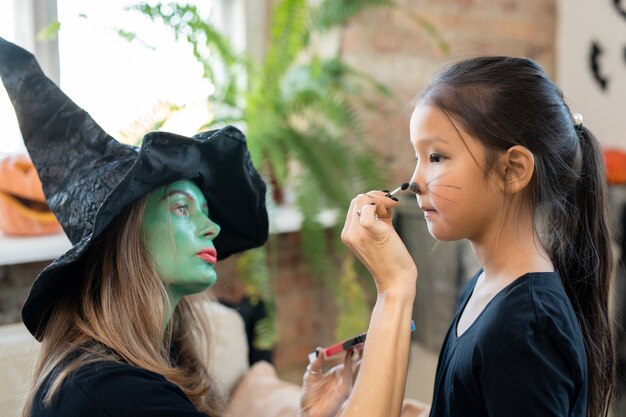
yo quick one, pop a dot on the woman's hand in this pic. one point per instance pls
(413, 408)
(369, 234)
(324, 393)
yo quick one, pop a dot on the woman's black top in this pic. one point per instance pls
(523, 356)
(113, 389)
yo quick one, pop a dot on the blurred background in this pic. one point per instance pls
(323, 90)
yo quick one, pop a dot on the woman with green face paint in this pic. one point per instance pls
(178, 234)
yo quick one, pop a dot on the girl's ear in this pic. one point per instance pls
(518, 165)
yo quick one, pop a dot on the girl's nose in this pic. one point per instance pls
(415, 187)
(414, 184)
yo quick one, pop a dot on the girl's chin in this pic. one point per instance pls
(442, 235)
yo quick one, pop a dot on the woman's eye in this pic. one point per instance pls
(181, 210)
(436, 158)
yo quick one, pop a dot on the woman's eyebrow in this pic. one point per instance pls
(174, 192)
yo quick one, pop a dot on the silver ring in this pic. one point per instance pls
(312, 372)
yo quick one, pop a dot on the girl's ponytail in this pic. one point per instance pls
(585, 262)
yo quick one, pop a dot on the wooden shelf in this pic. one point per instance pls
(288, 219)
(18, 250)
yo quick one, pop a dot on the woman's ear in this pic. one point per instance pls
(518, 165)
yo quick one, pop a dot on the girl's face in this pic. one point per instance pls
(179, 234)
(458, 200)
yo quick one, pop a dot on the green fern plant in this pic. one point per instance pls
(303, 130)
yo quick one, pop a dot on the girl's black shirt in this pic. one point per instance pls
(114, 389)
(523, 356)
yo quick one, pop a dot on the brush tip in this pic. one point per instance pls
(404, 186)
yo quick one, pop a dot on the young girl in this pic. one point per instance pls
(502, 162)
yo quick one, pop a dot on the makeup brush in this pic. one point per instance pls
(400, 188)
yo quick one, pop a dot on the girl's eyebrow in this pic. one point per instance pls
(431, 139)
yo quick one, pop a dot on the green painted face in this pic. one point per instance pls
(179, 234)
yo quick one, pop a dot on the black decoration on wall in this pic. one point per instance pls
(594, 58)
(620, 9)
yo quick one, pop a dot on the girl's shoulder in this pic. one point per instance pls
(534, 304)
(109, 388)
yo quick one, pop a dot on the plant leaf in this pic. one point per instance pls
(332, 13)
(49, 32)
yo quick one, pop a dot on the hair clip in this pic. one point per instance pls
(578, 119)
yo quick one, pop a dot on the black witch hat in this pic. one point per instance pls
(88, 177)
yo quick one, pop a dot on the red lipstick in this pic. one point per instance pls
(208, 254)
(345, 346)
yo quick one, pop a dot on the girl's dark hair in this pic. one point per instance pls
(504, 101)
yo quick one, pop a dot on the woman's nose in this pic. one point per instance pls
(210, 228)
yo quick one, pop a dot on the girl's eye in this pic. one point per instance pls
(436, 158)
(181, 211)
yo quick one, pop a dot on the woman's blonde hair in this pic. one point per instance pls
(117, 313)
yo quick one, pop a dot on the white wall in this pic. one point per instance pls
(580, 24)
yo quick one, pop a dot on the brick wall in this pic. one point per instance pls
(393, 48)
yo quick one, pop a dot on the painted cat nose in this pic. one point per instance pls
(415, 187)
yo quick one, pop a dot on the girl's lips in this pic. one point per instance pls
(428, 211)
(208, 254)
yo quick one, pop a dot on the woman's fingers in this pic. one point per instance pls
(368, 232)
(356, 369)
(349, 219)
(347, 369)
(368, 216)
(316, 364)
(375, 212)
(352, 365)
(364, 211)
(384, 204)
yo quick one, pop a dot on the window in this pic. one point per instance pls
(125, 86)
(10, 139)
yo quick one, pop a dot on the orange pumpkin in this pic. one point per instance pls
(23, 208)
(615, 162)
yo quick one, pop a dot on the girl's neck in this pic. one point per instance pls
(511, 249)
